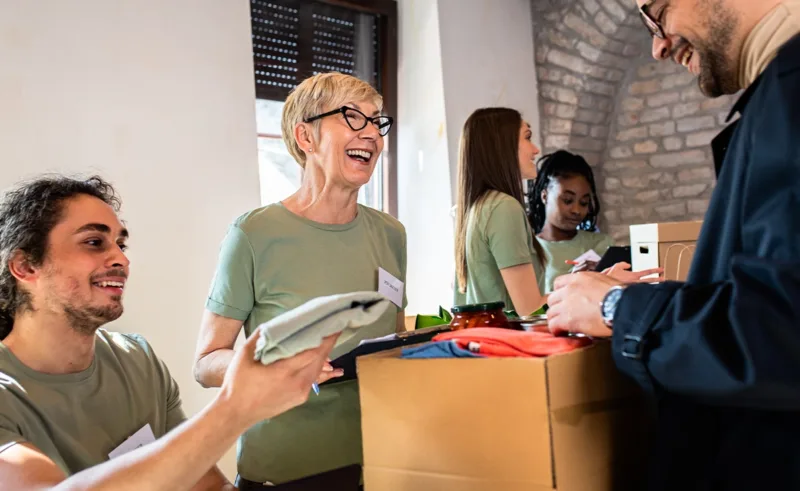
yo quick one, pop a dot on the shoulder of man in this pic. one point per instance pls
(778, 88)
(127, 346)
(788, 58)
(9, 385)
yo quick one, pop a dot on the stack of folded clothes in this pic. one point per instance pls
(495, 342)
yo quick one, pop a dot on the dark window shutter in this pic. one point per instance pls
(334, 39)
(294, 39)
(275, 31)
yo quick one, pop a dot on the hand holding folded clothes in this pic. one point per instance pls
(259, 392)
(306, 326)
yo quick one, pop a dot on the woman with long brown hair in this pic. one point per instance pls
(498, 258)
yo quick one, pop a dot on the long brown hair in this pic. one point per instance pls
(488, 160)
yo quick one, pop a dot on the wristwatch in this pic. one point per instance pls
(608, 307)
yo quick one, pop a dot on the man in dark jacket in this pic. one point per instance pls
(721, 352)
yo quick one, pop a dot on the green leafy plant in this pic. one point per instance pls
(424, 321)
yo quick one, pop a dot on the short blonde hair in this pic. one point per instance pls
(317, 95)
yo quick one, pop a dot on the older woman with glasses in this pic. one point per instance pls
(318, 241)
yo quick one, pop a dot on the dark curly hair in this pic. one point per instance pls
(28, 214)
(553, 166)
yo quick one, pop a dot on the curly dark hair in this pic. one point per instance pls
(28, 213)
(553, 166)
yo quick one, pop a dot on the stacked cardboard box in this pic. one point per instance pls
(667, 245)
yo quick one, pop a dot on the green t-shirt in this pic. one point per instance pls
(498, 237)
(566, 250)
(272, 261)
(78, 419)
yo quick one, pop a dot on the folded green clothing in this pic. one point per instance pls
(306, 326)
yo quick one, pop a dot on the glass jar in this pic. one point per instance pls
(479, 315)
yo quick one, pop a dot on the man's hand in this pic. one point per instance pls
(259, 392)
(575, 304)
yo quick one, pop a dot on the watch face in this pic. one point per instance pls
(610, 303)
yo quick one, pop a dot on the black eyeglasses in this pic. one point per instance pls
(650, 22)
(357, 120)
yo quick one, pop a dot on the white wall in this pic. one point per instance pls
(423, 172)
(488, 60)
(158, 97)
(455, 56)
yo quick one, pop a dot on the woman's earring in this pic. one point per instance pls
(310, 150)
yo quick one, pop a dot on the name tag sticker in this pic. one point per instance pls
(391, 287)
(138, 439)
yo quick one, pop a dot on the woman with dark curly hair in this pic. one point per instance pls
(563, 213)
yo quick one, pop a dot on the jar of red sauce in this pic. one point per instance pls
(479, 315)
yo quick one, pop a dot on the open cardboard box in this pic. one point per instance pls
(568, 422)
(668, 245)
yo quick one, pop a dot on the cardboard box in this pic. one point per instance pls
(568, 422)
(667, 245)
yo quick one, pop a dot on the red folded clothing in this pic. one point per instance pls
(492, 341)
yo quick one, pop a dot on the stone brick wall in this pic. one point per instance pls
(643, 126)
(659, 166)
(583, 51)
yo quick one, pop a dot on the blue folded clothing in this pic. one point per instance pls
(439, 349)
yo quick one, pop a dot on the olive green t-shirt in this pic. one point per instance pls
(272, 261)
(498, 237)
(566, 250)
(78, 419)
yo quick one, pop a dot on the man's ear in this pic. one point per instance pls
(544, 196)
(21, 268)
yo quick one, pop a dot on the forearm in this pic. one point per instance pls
(213, 480)
(527, 306)
(735, 342)
(210, 370)
(401, 322)
(176, 461)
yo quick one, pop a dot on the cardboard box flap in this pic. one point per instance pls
(581, 380)
(456, 440)
(665, 232)
(591, 405)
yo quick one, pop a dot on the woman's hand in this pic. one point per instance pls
(328, 372)
(620, 273)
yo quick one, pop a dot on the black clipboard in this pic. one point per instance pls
(347, 361)
(614, 255)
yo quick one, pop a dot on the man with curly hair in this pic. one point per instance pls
(71, 393)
